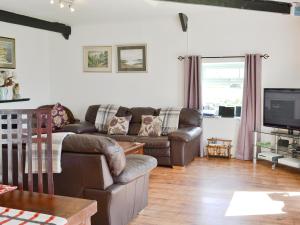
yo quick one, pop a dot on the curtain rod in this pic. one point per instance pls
(265, 56)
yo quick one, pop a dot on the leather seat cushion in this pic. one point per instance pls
(136, 166)
(157, 152)
(154, 142)
(128, 138)
(150, 142)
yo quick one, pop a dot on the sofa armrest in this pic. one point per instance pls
(92, 144)
(79, 128)
(185, 134)
(136, 166)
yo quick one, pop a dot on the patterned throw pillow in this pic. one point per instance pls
(119, 125)
(151, 126)
(59, 117)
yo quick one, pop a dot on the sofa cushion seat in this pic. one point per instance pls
(157, 152)
(154, 142)
(129, 138)
(136, 166)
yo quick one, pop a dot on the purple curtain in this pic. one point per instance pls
(192, 82)
(192, 87)
(251, 108)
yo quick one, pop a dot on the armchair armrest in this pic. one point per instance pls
(136, 166)
(185, 134)
(79, 128)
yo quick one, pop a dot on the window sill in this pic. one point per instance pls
(221, 118)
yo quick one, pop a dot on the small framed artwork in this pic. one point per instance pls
(97, 59)
(132, 58)
(7, 53)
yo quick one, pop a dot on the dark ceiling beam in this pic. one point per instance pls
(259, 5)
(14, 18)
(184, 21)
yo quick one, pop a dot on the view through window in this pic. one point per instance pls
(222, 85)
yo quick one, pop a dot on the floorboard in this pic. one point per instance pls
(221, 192)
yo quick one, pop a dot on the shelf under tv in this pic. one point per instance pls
(271, 151)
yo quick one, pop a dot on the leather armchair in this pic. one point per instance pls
(87, 174)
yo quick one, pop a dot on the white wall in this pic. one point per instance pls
(226, 128)
(32, 58)
(211, 33)
(162, 85)
(50, 68)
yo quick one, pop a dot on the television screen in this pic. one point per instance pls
(282, 108)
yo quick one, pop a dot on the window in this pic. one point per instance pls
(222, 85)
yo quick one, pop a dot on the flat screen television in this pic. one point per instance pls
(282, 108)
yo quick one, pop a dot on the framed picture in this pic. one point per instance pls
(7, 53)
(132, 58)
(97, 59)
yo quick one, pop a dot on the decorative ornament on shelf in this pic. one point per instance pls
(63, 3)
(9, 87)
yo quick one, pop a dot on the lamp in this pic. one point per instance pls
(63, 3)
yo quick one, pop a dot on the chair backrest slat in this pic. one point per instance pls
(9, 150)
(31, 129)
(20, 153)
(29, 152)
(1, 152)
(49, 154)
(39, 153)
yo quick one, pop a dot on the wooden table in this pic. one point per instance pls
(77, 211)
(132, 147)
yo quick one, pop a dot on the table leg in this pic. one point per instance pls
(255, 148)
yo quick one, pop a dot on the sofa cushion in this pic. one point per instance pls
(137, 113)
(71, 117)
(59, 117)
(92, 144)
(136, 120)
(91, 113)
(154, 142)
(118, 125)
(104, 115)
(136, 166)
(123, 111)
(79, 128)
(190, 118)
(151, 126)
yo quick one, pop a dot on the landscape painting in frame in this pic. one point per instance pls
(132, 58)
(97, 59)
(7, 53)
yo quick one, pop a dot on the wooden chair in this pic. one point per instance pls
(20, 131)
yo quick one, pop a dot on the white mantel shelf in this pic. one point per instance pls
(15, 100)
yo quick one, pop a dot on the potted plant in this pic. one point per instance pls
(9, 88)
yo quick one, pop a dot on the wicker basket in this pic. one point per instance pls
(217, 147)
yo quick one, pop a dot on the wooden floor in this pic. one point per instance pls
(220, 191)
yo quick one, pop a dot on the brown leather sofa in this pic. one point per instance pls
(177, 149)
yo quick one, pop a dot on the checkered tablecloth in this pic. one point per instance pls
(6, 188)
(19, 217)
